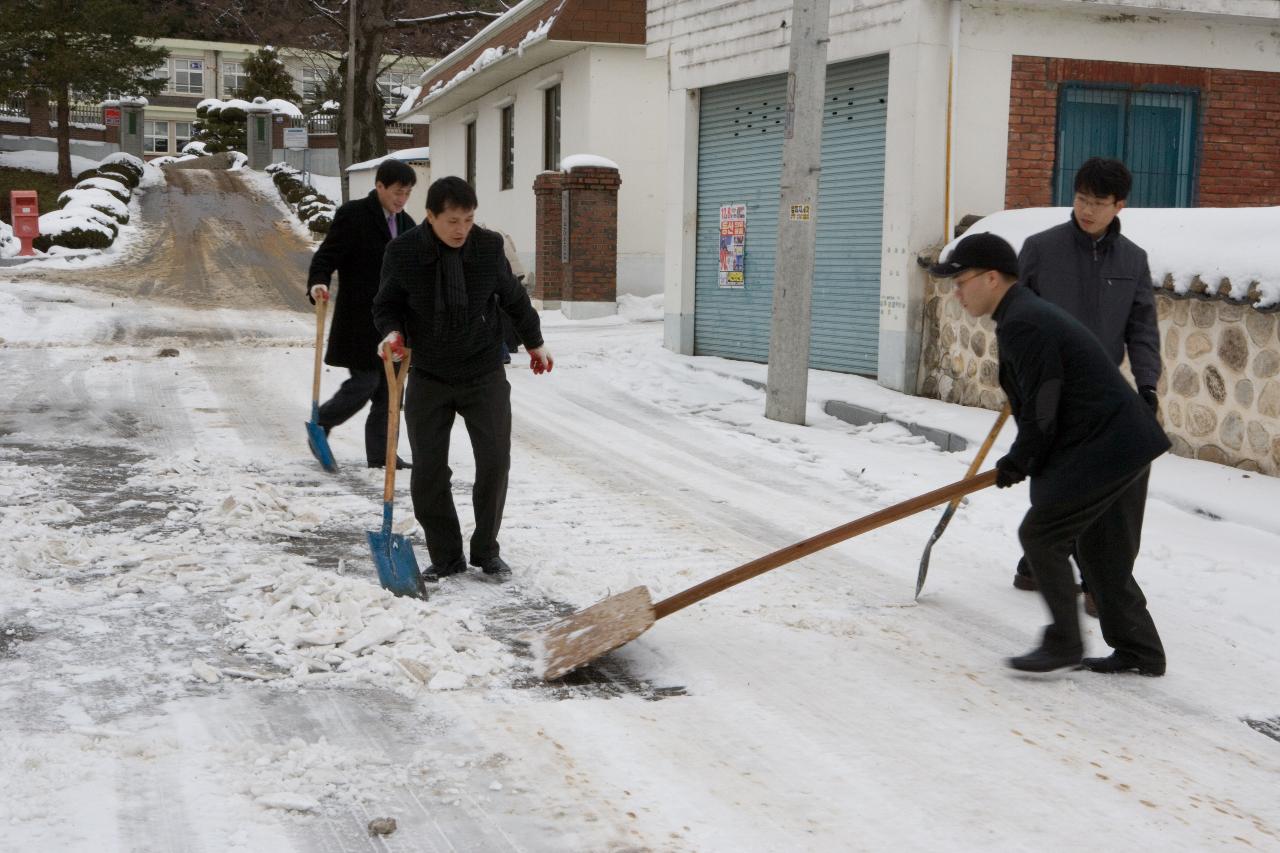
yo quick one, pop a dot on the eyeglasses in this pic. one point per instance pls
(960, 281)
(1088, 202)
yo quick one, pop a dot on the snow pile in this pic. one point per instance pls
(489, 56)
(423, 153)
(538, 33)
(96, 198)
(410, 99)
(322, 627)
(43, 161)
(640, 309)
(280, 105)
(586, 161)
(1182, 243)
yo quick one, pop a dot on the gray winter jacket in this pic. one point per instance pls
(1106, 285)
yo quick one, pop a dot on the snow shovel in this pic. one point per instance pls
(316, 439)
(581, 638)
(955, 502)
(392, 553)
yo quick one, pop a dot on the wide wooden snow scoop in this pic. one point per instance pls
(581, 638)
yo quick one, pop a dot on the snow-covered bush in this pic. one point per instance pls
(98, 199)
(312, 207)
(118, 172)
(116, 187)
(75, 228)
(125, 161)
(195, 147)
(9, 245)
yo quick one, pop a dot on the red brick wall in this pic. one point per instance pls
(548, 279)
(1239, 154)
(591, 275)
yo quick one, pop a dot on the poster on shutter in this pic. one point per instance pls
(733, 241)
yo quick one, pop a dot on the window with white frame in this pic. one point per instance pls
(390, 84)
(162, 73)
(181, 134)
(234, 78)
(188, 76)
(312, 83)
(507, 148)
(155, 138)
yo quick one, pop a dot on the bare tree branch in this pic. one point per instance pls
(445, 17)
(331, 14)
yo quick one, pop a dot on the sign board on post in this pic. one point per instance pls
(111, 116)
(295, 138)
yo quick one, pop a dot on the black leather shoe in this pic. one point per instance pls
(454, 567)
(1045, 659)
(401, 465)
(495, 567)
(1121, 662)
(1026, 582)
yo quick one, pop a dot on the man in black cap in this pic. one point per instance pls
(1086, 440)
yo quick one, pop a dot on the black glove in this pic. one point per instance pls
(1148, 395)
(1008, 473)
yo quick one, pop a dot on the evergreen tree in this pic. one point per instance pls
(268, 78)
(220, 128)
(96, 48)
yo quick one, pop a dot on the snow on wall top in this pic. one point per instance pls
(1210, 243)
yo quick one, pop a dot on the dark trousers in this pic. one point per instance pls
(1105, 530)
(429, 411)
(364, 386)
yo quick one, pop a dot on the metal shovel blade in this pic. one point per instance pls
(588, 634)
(393, 556)
(319, 442)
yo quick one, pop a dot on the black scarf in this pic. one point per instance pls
(451, 288)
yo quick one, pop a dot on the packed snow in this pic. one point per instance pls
(195, 652)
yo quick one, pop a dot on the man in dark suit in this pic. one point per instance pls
(1089, 269)
(1086, 440)
(445, 286)
(353, 247)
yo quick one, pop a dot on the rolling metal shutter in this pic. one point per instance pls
(740, 136)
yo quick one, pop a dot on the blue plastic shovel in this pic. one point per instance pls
(316, 439)
(392, 553)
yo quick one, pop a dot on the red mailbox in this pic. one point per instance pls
(25, 211)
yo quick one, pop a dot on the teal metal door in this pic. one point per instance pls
(740, 163)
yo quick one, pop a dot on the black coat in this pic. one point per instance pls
(406, 303)
(1106, 285)
(1080, 424)
(353, 248)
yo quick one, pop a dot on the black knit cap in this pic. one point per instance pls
(978, 252)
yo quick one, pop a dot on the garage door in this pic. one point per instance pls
(740, 136)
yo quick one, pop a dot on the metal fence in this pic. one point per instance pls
(327, 123)
(14, 106)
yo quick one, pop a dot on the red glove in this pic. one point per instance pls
(392, 344)
(540, 360)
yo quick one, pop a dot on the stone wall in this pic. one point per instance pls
(1219, 393)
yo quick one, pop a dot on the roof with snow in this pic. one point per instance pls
(530, 34)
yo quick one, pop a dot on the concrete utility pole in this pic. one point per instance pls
(788, 385)
(349, 107)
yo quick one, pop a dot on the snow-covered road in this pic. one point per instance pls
(195, 655)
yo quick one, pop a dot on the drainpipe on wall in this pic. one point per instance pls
(953, 82)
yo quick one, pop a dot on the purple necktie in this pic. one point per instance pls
(391, 225)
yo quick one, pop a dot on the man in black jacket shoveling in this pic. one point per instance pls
(444, 288)
(1086, 440)
(1089, 269)
(353, 247)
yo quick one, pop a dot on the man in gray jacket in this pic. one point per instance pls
(1100, 277)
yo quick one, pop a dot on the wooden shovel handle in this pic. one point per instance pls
(759, 566)
(395, 384)
(983, 451)
(321, 305)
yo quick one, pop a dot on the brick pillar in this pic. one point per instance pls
(38, 110)
(548, 275)
(591, 269)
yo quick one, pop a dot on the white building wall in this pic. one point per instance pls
(707, 42)
(628, 107)
(611, 104)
